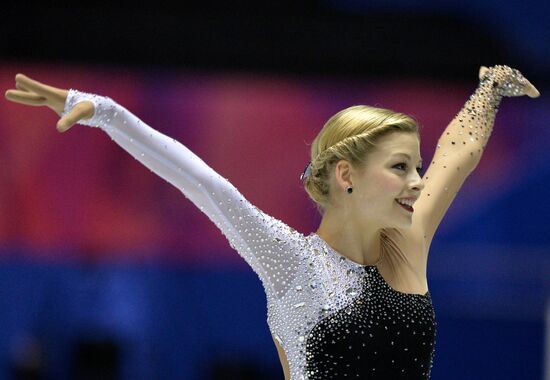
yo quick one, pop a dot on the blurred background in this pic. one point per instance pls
(108, 272)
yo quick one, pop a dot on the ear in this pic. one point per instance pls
(342, 173)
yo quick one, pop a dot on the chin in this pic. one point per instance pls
(405, 226)
(401, 223)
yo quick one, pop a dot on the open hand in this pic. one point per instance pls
(527, 88)
(34, 93)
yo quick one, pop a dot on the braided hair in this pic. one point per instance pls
(349, 135)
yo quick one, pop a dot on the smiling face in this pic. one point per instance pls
(391, 172)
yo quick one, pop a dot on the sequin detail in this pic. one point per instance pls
(380, 334)
(334, 318)
(476, 117)
(346, 312)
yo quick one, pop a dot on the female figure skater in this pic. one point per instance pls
(350, 300)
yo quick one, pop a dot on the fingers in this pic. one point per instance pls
(83, 110)
(33, 93)
(20, 86)
(23, 97)
(24, 82)
(531, 90)
(515, 84)
(54, 97)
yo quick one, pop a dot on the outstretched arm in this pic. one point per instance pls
(460, 147)
(268, 245)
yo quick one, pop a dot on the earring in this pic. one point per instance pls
(349, 189)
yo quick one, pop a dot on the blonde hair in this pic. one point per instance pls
(349, 135)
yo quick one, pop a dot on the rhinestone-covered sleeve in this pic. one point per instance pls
(473, 124)
(461, 145)
(268, 245)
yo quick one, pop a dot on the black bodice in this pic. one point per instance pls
(381, 334)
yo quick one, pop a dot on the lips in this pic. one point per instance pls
(406, 207)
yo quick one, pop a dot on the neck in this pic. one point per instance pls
(358, 242)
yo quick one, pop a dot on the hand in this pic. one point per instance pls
(34, 93)
(504, 73)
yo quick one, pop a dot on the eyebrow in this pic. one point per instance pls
(406, 155)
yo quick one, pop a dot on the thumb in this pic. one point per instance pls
(83, 110)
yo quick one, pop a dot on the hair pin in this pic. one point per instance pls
(307, 172)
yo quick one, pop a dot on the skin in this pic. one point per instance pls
(33, 93)
(352, 222)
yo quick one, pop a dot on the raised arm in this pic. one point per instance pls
(268, 245)
(460, 147)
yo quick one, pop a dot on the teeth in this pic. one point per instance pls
(405, 202)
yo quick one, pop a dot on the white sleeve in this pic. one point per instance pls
(269, 246)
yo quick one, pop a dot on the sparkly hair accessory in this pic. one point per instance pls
(307, 172)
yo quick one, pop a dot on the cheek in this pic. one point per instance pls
(378, 193)
(386, 183)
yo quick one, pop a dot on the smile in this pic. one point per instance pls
(406, 207)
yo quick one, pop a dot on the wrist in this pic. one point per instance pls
(74, 97)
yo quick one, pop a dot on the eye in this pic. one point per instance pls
(401, 166)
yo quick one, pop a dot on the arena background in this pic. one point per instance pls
(107, 271)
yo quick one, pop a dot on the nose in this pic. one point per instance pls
(418, 183)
